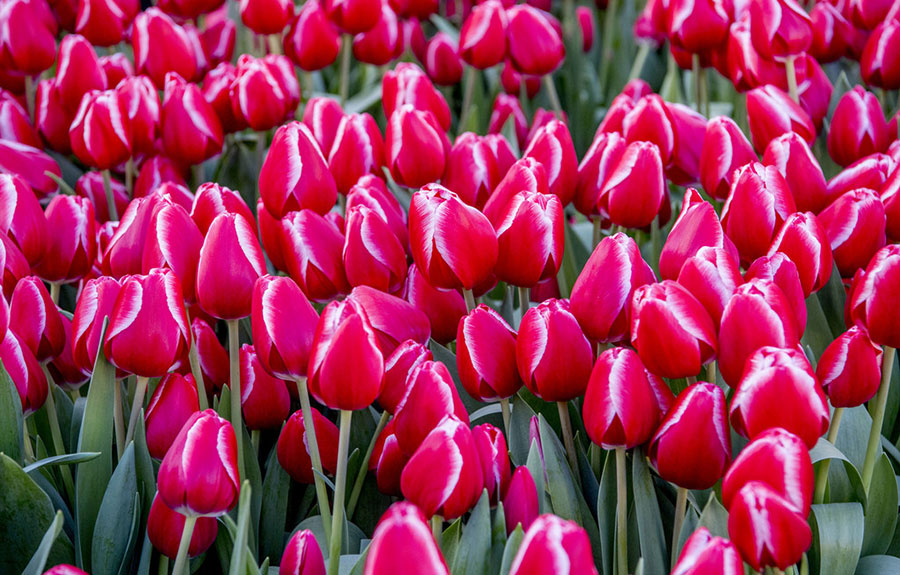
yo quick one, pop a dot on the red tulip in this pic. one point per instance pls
(703, 553)
(855, 227)
(15, 124)
(416, 147)
(63, 369)
(323, 116)
(261, 94)
(397, 367)
(154, 172)
(651, 121)
(874, 296)
(173, 241)
(552, 146)
(24, 371)
(212, 357)
(793, 158)
(31, 165)
(779, 28)
(870, 172)
(191, 130)
(104, 22)
(31, 52)
(879, 64)
(850, 368)
(814, 89)
(520, 505)
(212, 200)
(358, 150)
(771, 113)
(781, 271)
(594, 170)
(388, 462)
(381, 44)
(482, 38)
(302, 555)
(858, 127)
(72, 245)
(402, 542)
(172, 404)
(530, 238)
(225, 291)
(486, 355)
(635, 188)
(535, 45)
(295, 175)
(697, 26)
(354, 16)
(725, 148)
(162, 46)
(96, 302)
(711, 276)
(52, 120)
(218, 37)
(494, 456)
(165, 527)
(373, 255)
(283, 323)
(265, 401)
(431, 398)
(554, 545)
(63, 569)
(393, 319)
(22, 219)
(508, 108)
(697, 227)
(313, 249)
(34, 318)
(101, 131)
(312, 42)
(266, 16)
(690, 129)
(442, 61)
(408, 84)
(832, 33)
(525, 175)
(292, 447)
(585, 17)
(206, 483)
(803, 240)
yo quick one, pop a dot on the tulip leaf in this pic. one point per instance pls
(39, 559)
(238, 561)
(881, 511)
(475, 541)
(143, 567)
(877, 565)
(498, 539)
(714, 517)
(273, 516)
(512, 548)
(11, 420)
(25, 515)
(606, 514)
(837, 537)
(450, 541)
(446, 27)
(364, 100)
(844, 483)
(143, 465)
(96, 435)
(65, 459)
(352, 534)
(831, 299)
(254, 476)
(654, 550)
(111, 541)
(519, 439)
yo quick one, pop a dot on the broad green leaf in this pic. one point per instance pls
(536, 468)
(853, 436)
(143, 465)
(475, 542)
(511, 549)
(831, 299)
(273, 516)
(364, 100)
(239, 550)
(25, 516)
(39, 559)
(498, 539)
(836, 475)
(818, 333)
(878, 565)
(654, 550)
(881, 511)
(714, 517)
(11, 421)
(450, 541)
(837, 537)
(67, 459)
(109, 548)
(606, 514)
(519, 439)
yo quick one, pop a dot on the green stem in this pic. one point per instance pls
(554, 97)
(598, 231)
(568, 437)
(680, 509)
(340, 481)
(56, 434)
(196, 370)
(606, 56)
(468, 93)
(313, 446)
(792, 78)
(504, 410)
(695, 69)
(235, 387)
(129, 175)
(470, 299)
(30, 96)
(119, 418)
(181, 559)
(364, 467)
(524, 301)
(822, 476)
(704, 92)
(163, 567)
(54, 292)
(254, 440)
(110, 200)
(437, 529)
(136, 407)
(260, 156)
(639, 61)
(711, 371)
(887, 365)
(345, 68)
(621, 513)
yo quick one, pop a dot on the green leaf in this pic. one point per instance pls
(364, 100)
(519, 439)
(878, 565)
(652, 537)
(881, 511)
(39, 559)
(825, 450)
(511, 549)
(475, 541)
(273, 515)
(96, 435)
(11, 421)
(239, 551)
(831, 298)
(66, 459)
(536, 468)
(254, 476)
(606, 514)
(143, 465)
(444, 26)
(714, 517)
(109, 549)
(450, 541)
(498, 539)
(837, 537)
(25, 516)
(350, 542)
(818, 333)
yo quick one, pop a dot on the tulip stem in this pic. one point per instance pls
(606, 55)
(568, 437)
(345, 68)
(364, 466)
(698, 90)
(254, 440)
(554, 97)
(54, 292)
(468, 93)
(711, 371)
(470, 299)
(638, 66)
(136, 406)
(340, 481)
(504, 410)
(260, 157)
(129, 175)
(437, 529)
(119, 418)
(235, 388)
(56, 435)
(26, 441)
(181, 559)
(197, 375)
(822, 476)
(621, 512)
(110, 201)
(887, 365)
(313, 446)
(680, 509)
(792, 78)
(524, 300)
(598, 231)
(691, 379)
(163, 568)
(30, 95)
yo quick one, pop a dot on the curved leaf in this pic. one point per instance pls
(475, 542)
(111, 540)
(11, 421)
(881, 512)
(878, 565)
(39, 559)
(654, 551)
(837, 537)
(65, 459)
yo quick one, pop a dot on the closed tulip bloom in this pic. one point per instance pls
(397, 367)
(442, 61)
(832, 33)
(486, 355)
(51, 119)
(173, 402)
(804, 241)
(393, 319)
(725, 148)
(779, 28)
(494, 457)
(35, 319)
(225, 291)
(101, 131)
(766, 528)
(855, 227)
(443, 307)
(554, 545)
(506, 108)
(454, 492)
(124, 252)
(371, 192)
(31, 164)
(530, 238)
(292, 449)
(283, 323)
(190, 127)
(520, 505)
(266, 16)
(162, 46)
(358, 150)
(313, 249)
(383, 43)
(403, 542)
(703, 553)
(63, 369)
(850, 368)
(792, 157)
(372, 254)
(879, 64)
(265, 401)
(148, 306)
(354, 16)
(697, 227)
(206, 483)
(104, 22)
(635, 189)
(431, 398)
(117, 67)
(482, 38)
(771, 113)
(22, 219)
(755, 210)
(874, 296)
(651, 121)
(671, 330)
(212, 356)
(174, 242)
(295, 174)
(553, 355)
(302, 555)
(780, 270)
(218, 39)
(552, 146)
(594, 169)
(78, 72)
(312, 41)
(30, 53)
(690, 129)
(388, 462)
(258, 95)
(323, 117)
(96, 302)
(870, 172)
(408, 84)
(692, 447)
(154, 172)
(24, 371)
(711, 276)
(525, 175)
(165, 527)
(72, 245)
(212, 200)
(63, 569)
(697, 25)
(15, 123)
(535, 45)
(90, 186)
(416, 147)
(858, 127)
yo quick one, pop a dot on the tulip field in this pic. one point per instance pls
(449, 287)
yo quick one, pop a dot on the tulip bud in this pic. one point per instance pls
(711, 276)
(486, 355)
(703, 553)
(312, 42)
(871, 172)
(850, 369)
(354, 16)
(96, 302)
(803, 240)
(449, 494)
(260, 94)
(792, 157)
(218, 38)
(388, 462)
(358, 150)
(373, 255)
(217, 92)
(205, 483)
(212, 200)
(266, 16)
(63, 569)
(530, 239)
(855, 227)
(212, 357)
(165, 527)
(416, 147)
(594, 170)
(36, 52)
(697, 26)
(24, 371)
(431, 398)
(697, 227)
(482, 38)
(302, 555)
(508, 108)
(473, 170)
(552, 146)
(771, 113)
(494, 456)
(52, 120)
(33, 316)
(191, 130)
(100, 132)
(879, 65)
(393, 319)
(560, 545)
(78, 72)
(24, 221)
(871, 298)
(381, 44)
(858, 127)
(292, 449)
(265, 401)
(172, 404)
(535, 45)
(150, 304)
(397, 368)
(16, 125)
(525, 175)
(31, 165)
(402, 542)
(779, 28)
(103, 22)
(520, 505)
(295, 175)
(323, 116)
(651, 121)
(225, 291)
(407, 84)
(14, 265)
(781, 271)
(72, 241)
(604, 314)
(154, 172)
(162, 46)
(553, 355)
(725, 148)
(313, 249)
(635, 188)
(442, 61)
(283, 323)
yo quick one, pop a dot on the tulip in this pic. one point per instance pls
(443, 307)
(91, 186)
(449, 494)
(63, 569)
(761, 197)
(858, 127)
(879, 64)
(16, 124)
(779, 28)
(552, 146)
(212, 200)
(635, 189)
(172, 404)
(165, 528)
(265, 401)
(486, 356)
(554, 545)
(594, 170)
(781, 271)
(372, 193)
(313, 250)
(373, 255)
(525, 175)
(397, 367)
(832, 33)
(63, 369)
(30, 53)
(312, 42)
(535, 45)
(711, 277)
(507, 108)
(283, 324)
(218, 38)
(33, 316)
(697, 26)
(890, 194)
(402, 542)
(31, 165)
(226, 291)
(124, 252)
(14, 265)
(96, 302)
(803, 240)
(100, 133)
(408, 84)
(260, 94)
(771, 113)
(416, 147)
(431, 398)
(51, 120)
(116, 67)
(651, 121)
(703, 553)
(494, 456)
(25, 372)
(323, 116)
(154, 172)
(358, 150)
(103, 22)
(381, 44)
(162, 249)
(293, 445)
(482, 38)
(23, 221)
(520, 505)
(725, 148)
(690, 130)
(778, 458)
(388, 462)
(850, 369)
(793, 158)
(171, 49)
(530, 239)
(191, 130)
(353, 16)
(442, 61)
(870, 172)
(266, 16)
(814, 89)
(602, 293)
(697, 227)
(302, 555)
(211, 356)
(873, 299)
(855, 227)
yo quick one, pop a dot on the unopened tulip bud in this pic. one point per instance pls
(520, 506)
(850, 369)
(494, 457)
(556, 544)
(162, 46)
(432, 397)
(190, 127)
(292, 449)
(486, 355)
(855, 227)
(725, 148)
(35, 319)
(302, 555)
(535, 45)
(482, 38)
(173, 402)
(230, 263)
(72, 240)
(403, 542)
(165, 527)
(793, 158)
(703, 553)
